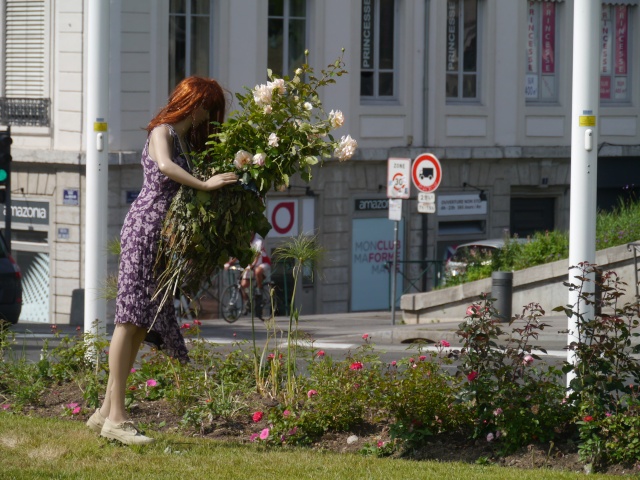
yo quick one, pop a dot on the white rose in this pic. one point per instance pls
(307, 106)
(259, 158)
(298, 71)
(267, 109)
(277, 84)
(336, 118)
(346, 148)
(273, 140)
(262, 94)
(242, 159)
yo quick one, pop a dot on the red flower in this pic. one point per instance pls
(588, 418)
(257, 416)
(197, 322)
(320, 353)
(444, 343)
(356, 366)
(365, 336)
(185, 326)
(423, 358)
(472, 376)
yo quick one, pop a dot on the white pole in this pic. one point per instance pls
(97, 144)
(584, 154)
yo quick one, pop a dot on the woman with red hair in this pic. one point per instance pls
(182, 126)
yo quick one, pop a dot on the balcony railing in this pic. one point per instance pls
(27, 112)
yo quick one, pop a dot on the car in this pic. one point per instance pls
(10, 286)
(482, 250)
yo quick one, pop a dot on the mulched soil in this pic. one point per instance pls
(443, 448)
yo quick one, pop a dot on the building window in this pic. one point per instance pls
(189, 39)
(287, 36)
(462, 50)
(541, 76)
(615, 70)
(377, 50)
(24, 100)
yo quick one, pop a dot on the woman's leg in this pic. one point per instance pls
(123, 350)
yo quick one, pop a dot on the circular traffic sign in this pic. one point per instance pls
(426, 172)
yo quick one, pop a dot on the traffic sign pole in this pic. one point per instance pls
(398, 187)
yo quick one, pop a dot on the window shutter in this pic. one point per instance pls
(25, 49)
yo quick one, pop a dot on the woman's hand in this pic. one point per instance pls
(220, 180)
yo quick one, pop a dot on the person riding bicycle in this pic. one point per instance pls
(259, 269)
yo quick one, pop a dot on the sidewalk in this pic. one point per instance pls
(349, 328)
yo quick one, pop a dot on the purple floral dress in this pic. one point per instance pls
(139, 240)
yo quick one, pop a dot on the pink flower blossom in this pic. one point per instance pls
(380, 444)
(473, 310)
(133, 370)
(197, 322)
(151, 383)
(286, 413)
(444, 343)
(257, 416)
(311, 393)
(271, 356)
(71, 406)
(411, 360)
(356, 366)
(472, 376)
(320, 353)
(365, 336)
(185, 326)
(76, 411)
(588, 418)
(497, 411)
(6, 406)
(394, 363)
(253, 437)
(422, 358)
(527, 360)
(264, 434)
(607, 414)
(490, 437)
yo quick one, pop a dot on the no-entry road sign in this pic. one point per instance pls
(426, 172)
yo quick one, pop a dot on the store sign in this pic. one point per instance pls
(70, 196)
(369, 204)
(27, 212)
(463, 204)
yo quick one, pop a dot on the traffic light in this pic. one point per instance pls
(5, 164)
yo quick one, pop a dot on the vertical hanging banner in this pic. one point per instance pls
(548, 37)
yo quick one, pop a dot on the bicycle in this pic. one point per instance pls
(189, 307)
(232, 302)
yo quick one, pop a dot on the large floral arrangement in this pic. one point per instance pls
(280, 130)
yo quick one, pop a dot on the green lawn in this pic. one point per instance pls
(35, 448)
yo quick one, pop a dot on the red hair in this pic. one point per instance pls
(189, 94)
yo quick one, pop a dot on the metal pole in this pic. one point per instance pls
(393, 272)
(584, 155)
(97, 145)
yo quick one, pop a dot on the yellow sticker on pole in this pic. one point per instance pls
(587, 120)
(100, 126)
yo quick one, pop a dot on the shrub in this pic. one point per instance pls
(514, 400)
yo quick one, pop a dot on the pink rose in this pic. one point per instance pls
(527, 360)
(264, 434)
(444, 343)
(356, 366)
(311, 393)
(151, 383)
(242, 159)
(365, 336)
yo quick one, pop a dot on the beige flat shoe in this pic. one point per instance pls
(124, 432)
(96, 421)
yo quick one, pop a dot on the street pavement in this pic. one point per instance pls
(337, 334)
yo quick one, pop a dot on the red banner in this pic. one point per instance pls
(605, 87)
(548, 37)
(622, 35)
